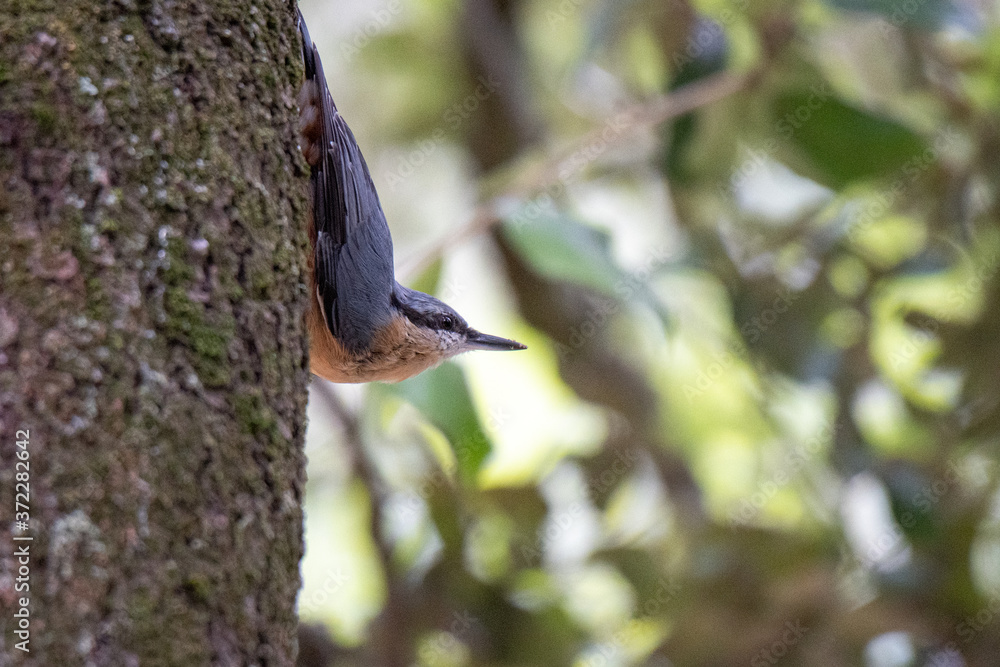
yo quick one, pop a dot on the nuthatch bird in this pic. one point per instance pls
(363, 325)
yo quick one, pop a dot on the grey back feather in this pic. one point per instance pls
(353, 254)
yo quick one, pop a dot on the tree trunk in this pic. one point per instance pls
(153, 365)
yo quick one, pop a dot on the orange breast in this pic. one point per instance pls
(398, 351)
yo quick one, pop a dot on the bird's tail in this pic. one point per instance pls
(311, 98)
(309, 56)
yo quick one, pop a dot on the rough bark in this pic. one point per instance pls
(151, 332)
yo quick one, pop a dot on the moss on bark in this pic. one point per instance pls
(151, 332)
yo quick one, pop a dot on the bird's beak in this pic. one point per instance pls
(480, 341)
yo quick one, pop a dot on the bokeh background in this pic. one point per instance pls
(752, 246)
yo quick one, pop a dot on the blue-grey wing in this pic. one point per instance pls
(353, 252)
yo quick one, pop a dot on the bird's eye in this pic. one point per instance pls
(447, 323)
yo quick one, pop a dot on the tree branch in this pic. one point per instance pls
(390, 632)
(558, 168)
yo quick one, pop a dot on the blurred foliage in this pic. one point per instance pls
(758, 419)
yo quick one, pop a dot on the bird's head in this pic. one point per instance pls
(443, 328)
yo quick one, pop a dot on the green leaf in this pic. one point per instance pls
(842, 142)
(442, 396)
(563, 249)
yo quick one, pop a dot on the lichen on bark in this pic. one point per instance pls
(151, 331)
